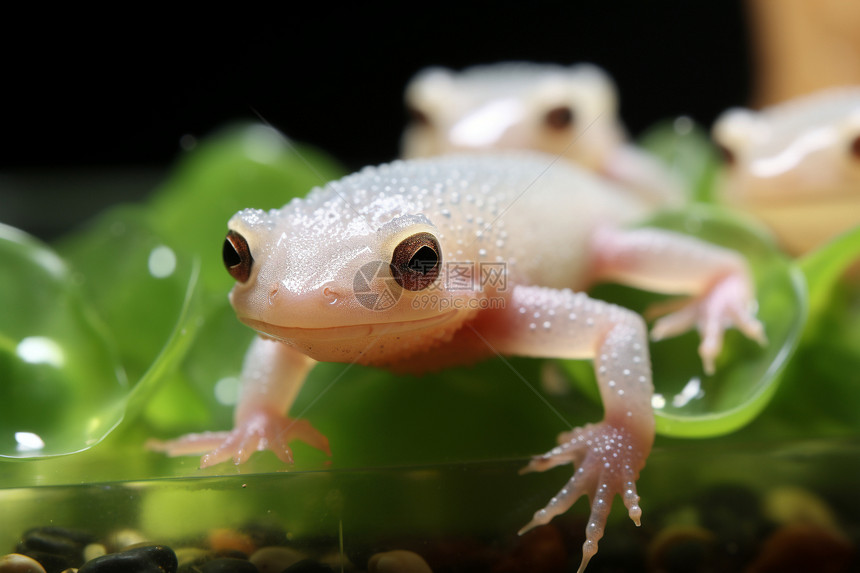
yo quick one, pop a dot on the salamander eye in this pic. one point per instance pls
(559, 117)
(417, 116)
(727, 155)
(854, 147)
(237, 256)
(416, 260)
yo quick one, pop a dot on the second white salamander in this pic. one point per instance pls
(423, 264)
(571, 111)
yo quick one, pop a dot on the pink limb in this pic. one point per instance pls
(717, 280)
(609, 455)
(271, 378)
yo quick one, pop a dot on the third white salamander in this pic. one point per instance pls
(796, 165)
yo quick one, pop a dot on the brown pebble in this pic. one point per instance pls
(225, 540)
(17, 563)
(275, 559)
(398, 561)
(803, 547)
(537, 551)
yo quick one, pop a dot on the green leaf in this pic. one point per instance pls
(825, 266)
(134, 277)
(59, 368)
(686, 148)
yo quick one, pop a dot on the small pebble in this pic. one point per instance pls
(308, 566)
(265, 534)
(398, 561)
(804, 547)
(275, 559)
(78, 537)
(231, 554)
(55, 541)
(125, 538)
(147, 559)
(55, 548)
(189, 557)
(53, 563)
(682, 549)
(17, 563)
(223, 540)
(228, 565)
(787, 504)
(94, 550)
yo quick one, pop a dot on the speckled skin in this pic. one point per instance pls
(796, 166)
(508, 106)
(551, 227)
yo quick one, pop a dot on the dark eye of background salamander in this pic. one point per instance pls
(727, 155)
(559, 117)
(417, 116)
(854, 147)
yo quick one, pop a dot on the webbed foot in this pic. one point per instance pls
(259, 431)
(608, 460)
(728, 303)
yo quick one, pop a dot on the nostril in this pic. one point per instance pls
(237, 256)
(330, 294)
(273, 294)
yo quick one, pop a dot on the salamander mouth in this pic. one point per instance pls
(348, 332)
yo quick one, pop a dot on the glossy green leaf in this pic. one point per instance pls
(825, 266)
(134, 277)
(63, 378)
(59, 369)
(821, 389)
(686, 149)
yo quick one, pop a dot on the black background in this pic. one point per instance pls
(121, 91)
(117, 94)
